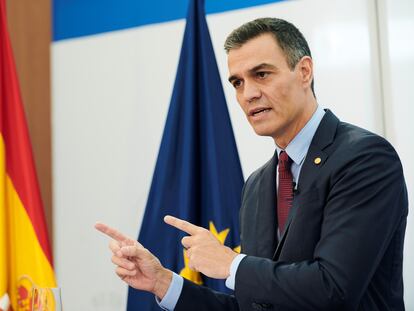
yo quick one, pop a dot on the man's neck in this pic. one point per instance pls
(284, 140)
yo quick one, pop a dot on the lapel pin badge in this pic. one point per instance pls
(317, 161)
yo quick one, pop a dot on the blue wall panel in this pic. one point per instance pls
(76, 18)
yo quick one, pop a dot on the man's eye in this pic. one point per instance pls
(262, 74)
(237, 83)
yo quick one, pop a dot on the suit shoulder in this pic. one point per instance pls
(258, 172)
(355, 145)
(355, 138)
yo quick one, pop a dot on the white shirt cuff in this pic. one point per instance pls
(231, 280)
(173, 293)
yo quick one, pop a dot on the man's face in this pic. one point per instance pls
(271, 95)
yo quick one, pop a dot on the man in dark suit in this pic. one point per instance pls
(322, 223)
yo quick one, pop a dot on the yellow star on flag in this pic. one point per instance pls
(221, 236)
(190, 274)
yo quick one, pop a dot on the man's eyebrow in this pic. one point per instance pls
(254, 69)
(262, 66)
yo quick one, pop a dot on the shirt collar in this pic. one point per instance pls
(299, 146)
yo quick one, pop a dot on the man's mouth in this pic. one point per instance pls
(259, 111)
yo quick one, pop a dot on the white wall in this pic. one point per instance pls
(397, 48)
(110, 98)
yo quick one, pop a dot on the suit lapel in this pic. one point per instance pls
(314, 161)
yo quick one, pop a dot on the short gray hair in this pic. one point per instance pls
(289, 38)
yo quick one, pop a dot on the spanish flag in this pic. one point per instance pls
(25, 254)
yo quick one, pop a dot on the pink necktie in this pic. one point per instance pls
(285, 190)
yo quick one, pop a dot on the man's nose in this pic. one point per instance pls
(251, 91)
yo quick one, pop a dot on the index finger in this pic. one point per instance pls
(111, 232)
(182, 225)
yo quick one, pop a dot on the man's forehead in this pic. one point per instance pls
(256, 52)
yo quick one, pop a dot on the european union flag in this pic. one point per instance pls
(198, 175)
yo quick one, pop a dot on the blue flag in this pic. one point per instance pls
(198, 175)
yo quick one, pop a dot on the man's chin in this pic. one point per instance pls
(263, 132)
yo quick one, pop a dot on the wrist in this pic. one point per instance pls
(232, 255)
(163, 282)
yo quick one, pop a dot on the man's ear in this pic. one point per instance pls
(305, 67)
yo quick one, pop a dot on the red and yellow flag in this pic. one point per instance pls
(25, 254)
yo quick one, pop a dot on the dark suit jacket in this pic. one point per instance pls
(342, 247)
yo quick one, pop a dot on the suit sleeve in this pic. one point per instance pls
(196, 297)
(365, 205)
